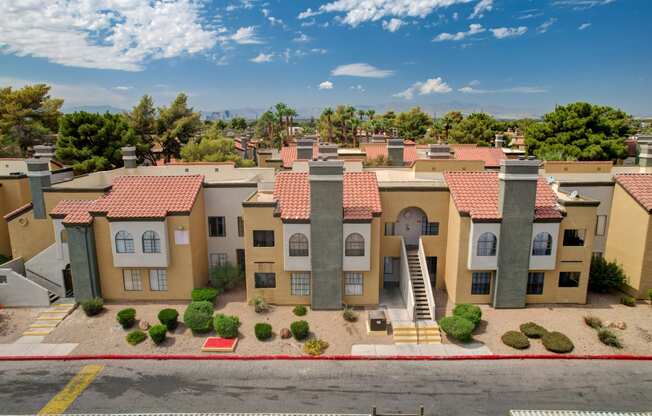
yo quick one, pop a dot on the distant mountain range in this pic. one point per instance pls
(94, 109)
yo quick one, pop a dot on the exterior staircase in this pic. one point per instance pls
(418, 287)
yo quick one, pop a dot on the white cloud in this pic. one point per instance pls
(361, 70)
(543, 27)
(584, 26)
(245, 36)
(361, 11)
(393, 24)
(456, 16)
(508, 32)
(474, 83)
(103, 34)
(430, 86)
(358, 88)
(319, 51)
(326, 85)
(122, 88)
(469, 89)
(474, 29)
(262, 58)
(275, 21)
(481, 7)
(582, 4)
(302, 38)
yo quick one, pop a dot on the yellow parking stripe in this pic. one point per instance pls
(73, 389)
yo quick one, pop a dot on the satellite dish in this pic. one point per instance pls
(550, 180)
(574, 194)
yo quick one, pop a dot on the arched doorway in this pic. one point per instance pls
(409, 225)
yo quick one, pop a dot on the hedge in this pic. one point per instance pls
(557, 342)
(157, 333)
(263, 331)
(126, 318)
(226, 326)
(136, 337)
(168, 317)
(208, 294)
(300, 330)
(457, 327)
(515, 339)
(468, 311)
(198, 316)
(533, 330)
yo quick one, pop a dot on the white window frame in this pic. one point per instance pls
(127, 242)
(353, 283)
(300, 284)
(132, 281)
(158, 280)
(153, 245)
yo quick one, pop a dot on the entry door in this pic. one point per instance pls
(431, 262)
(240, 254)
(67, 282)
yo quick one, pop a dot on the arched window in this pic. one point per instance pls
(542, 244)
(298, 245)
(354, 245)
(151, 242)
(487, 244)
(124, 242)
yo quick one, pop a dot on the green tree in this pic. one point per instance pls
(27, 115)
(326, 123)
(142, 120)
(580, 131)
(266, 127)
(478, 128)
(176, 125)
(238, 123)
(91, 142)
(413, 124)
(210, 149)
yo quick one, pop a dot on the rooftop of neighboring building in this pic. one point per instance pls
(639, 186)
(407, 178)
(376, 150)
(18, 166)
(490, 155)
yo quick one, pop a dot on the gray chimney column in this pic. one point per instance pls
(129, 157)
(500, 141)
(395, 151)
(645, 151)
(304, 149)
(38, 172)
(439, 151)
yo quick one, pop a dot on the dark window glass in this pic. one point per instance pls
(389, 228)
(574, 237)
(298, 245)
(263, 238)
(151, 242)
(430, 228)
(487, 244)
(240, 227)
(480, 283)
(265, 280)
(354, 245)
(542, 245)
(569, 279)
(535, 283)
(216, 227)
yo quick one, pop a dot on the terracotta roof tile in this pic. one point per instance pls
(289, 154)
(360, 195)
(639, 186)
(74, 211)
(374, 150)
(490, 155)
(476, 194)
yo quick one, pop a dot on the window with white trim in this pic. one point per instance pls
(542, 244)
(132, 280)
(487, 244)
(298, 245)
(353, 283)
(158, 280)
(151, 242)
(354, 245)
(124, 242)
(300, 283)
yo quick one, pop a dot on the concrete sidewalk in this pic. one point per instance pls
(473, 348)
(22, 349)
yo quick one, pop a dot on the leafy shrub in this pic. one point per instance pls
(605, 276)
(198, 316)
(168, 317)
(93, 306)
(315, 347)
(468, 311)
(593, 321)
(157, 333)
(259, 304)
(208, 294)
(300, 310)
(457, 327)
(300, 330)
(226, 326)
(557, 342)
(515, 339)
(349, 314)
(532, 330)
(608, 337)
(263, 331)
(628, 301)
(126, 318)
(136, 337)
(225, 277)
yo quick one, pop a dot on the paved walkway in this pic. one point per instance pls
(473, 348)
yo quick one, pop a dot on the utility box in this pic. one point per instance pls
(377, 321)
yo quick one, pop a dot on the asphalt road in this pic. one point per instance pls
(444, 388)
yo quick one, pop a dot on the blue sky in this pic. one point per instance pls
(522, 56)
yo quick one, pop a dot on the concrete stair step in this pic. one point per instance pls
(38, 332)
(44, 325)
(51, 317)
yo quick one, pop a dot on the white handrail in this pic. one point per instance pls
(426, 279)
(406, 282)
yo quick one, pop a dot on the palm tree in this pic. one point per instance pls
(328, 114)
(361, 114)
(290, 113)
(281, 111)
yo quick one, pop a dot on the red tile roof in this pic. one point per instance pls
(490, 155)
(361, 199)
(639, 186)
(476, 194)
(374, 150)
(289, 154)
(135, 197)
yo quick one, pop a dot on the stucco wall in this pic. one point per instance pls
(604, 194)
(138, 258)
(545, 262)
(14, 193)
(30, 236)
(296, 263)
(474, 261)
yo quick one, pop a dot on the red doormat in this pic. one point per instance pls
(218, 344)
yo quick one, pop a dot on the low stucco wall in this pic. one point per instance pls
(18, 290)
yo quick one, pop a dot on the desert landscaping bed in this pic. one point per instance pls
(15, 321)
(103, 335)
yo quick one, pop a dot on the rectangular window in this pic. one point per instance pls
(158, 280)
(3, 280)
(569, 279)
(389, 228)
(574, 237)
(263, 238)
(300, 283)
(430, 228)
(535, 283)
(601, 225)
(480, 283)
(217, 259)
(240, 227)
(216, 227)
(131, 279)
(265, 280)
(353, 283)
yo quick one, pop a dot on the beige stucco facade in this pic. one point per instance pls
(14, 193)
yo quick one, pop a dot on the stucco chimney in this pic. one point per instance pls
(38, 172)
(304, 149)
(129, 157)
(645, 151)
(439, 151)
(500, 141)
(327, 151)
(395, 151)
(42, 151)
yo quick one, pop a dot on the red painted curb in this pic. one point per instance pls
(324, 357)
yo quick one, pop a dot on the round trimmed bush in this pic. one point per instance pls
(468, 311)
(300, 310)
(593, 321)
(608, 337)
(168, 317)
(207, 294)
(126, 318)
(263, 331)
(628, 301)
(515, 339)
(457, 327)
(198, 316)
(300, 330)
(557, 342)
(532, 330)
(157, 333)
(226, 326)
(136, 337)
(93, 306)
